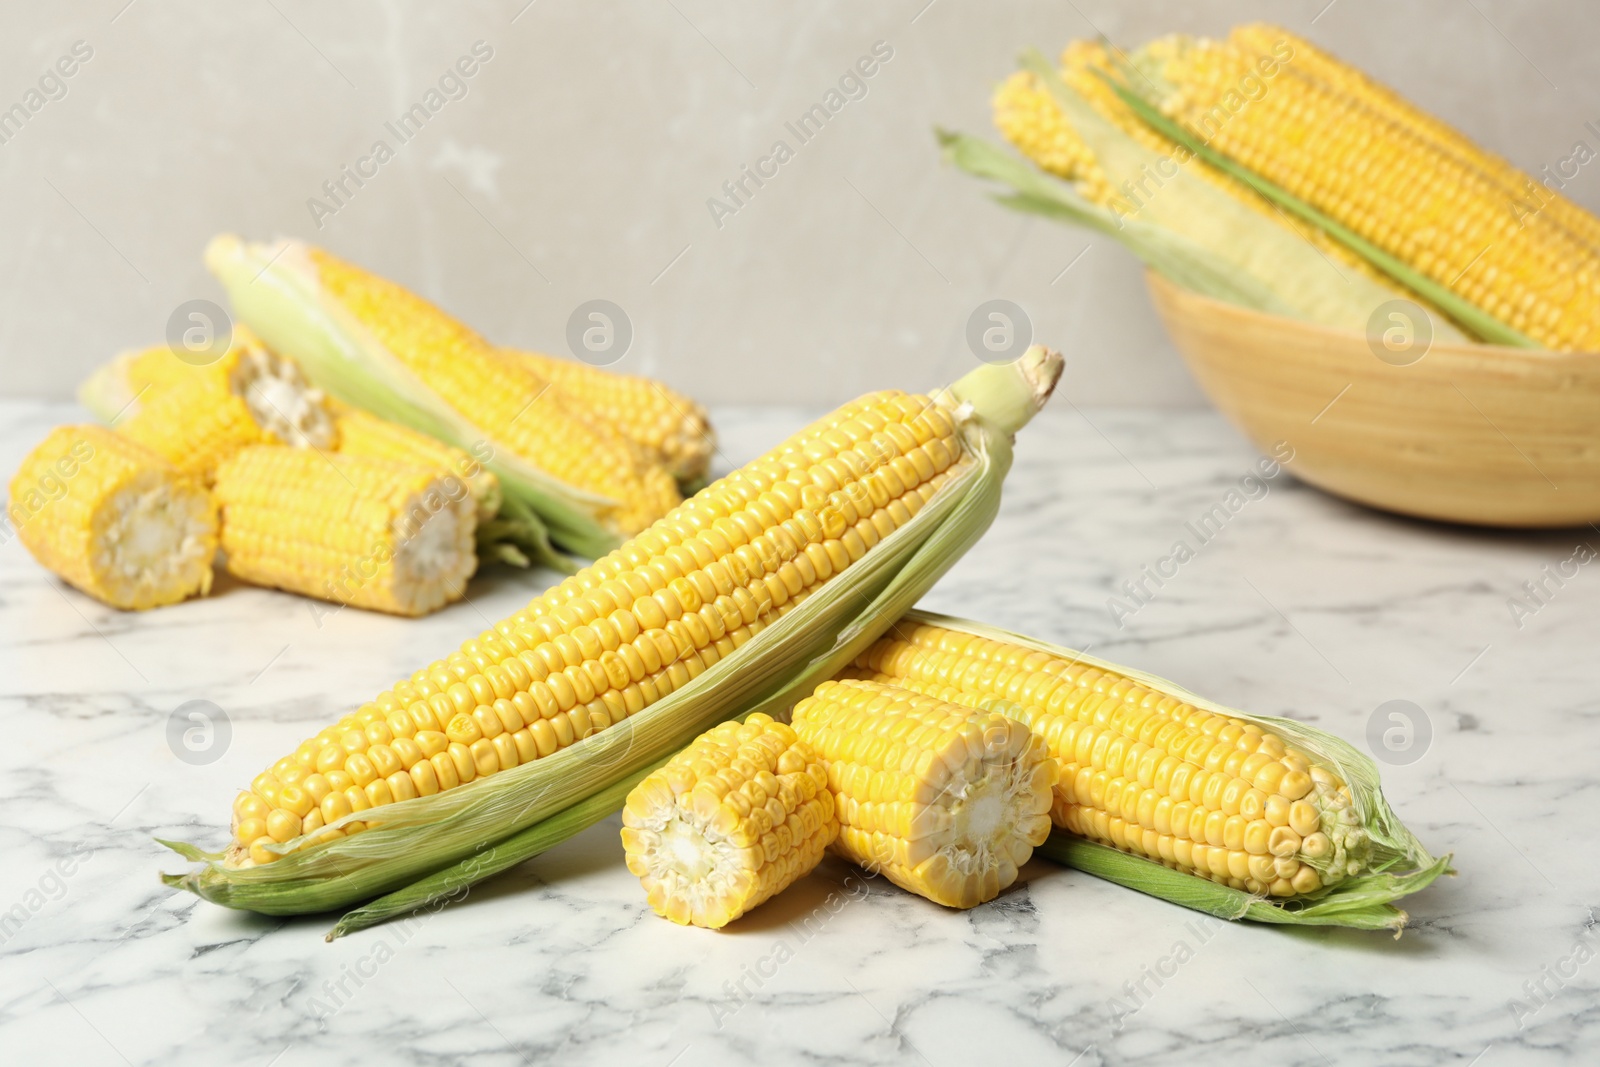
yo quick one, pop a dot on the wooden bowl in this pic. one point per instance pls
(1467, 433)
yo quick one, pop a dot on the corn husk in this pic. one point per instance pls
(1398, 866)
(427, 835)
(276, 291)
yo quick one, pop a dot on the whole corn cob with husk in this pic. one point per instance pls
(1404, 186)
(734, 819)
(114, 519)
(376, 346)
(943, 800)
(670, 428)
(1027, 114)
(368, 437)
(196, 416)
(372, 533)
(759, 587)
(1264, 810)
(1200, 233)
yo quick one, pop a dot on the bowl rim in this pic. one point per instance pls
(1165, 290)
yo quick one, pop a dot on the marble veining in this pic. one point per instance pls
(1302, 605)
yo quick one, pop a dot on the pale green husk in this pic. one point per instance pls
(276, 292)
(1399, 864)
(769, 672)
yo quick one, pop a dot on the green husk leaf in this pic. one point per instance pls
(277, 294)
(1468, 314)
(449, 884)
(1170, 254)
(773, 669)
(105, 393)
(1399, 864)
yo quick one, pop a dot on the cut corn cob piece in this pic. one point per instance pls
(745, 597)
(114, 519)
(376, 346)
(197, 416)
(371, 533)
(369, 437)
(945, 801)
(1434, 211)
(1264, 806)
(671, 429)
(734, 819)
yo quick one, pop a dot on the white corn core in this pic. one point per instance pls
(433, 560)
(150, 535)
(281, 401)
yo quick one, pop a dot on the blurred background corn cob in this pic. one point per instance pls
(197, 415)
(114, 519)
(377, 346)
(373, 533)
(670, 428)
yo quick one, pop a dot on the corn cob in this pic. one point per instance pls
(1524, 195)
(944, 801)
(376, 346)
(114, 519)
(1430, 208)
(1145, 770)
(641, 622)
(760, 586)
(369, 437)
(196, 416)
(1030, 119)
(737, 817)
(672, 430)
(368, 532)
(1203, 230)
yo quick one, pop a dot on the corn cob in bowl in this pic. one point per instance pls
(376, 346)
(762, 585)
(1239, 815)
(1340, 270)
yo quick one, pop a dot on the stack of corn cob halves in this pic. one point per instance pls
(306, 489)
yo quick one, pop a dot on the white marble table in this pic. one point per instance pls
(1301, 605)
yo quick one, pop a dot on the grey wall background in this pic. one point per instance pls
(579, 163)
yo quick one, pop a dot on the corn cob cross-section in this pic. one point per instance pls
(1145, 771)
(197, 416)
(735, 818)
(945, 801)
(636, 625)
(114, 519)
(368, 532)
